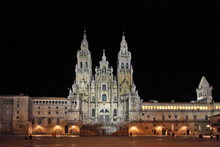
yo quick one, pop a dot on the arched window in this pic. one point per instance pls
(104, 111)
(81, 65)
(93, 99)
(104, 87)
(127, 65)
(86, 64)
(104, 69)
(115, 112)
(115, 99)
(104, 97)
(122, 65)
(93, 112)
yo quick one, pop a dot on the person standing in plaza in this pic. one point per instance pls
(30, 137)
(200, 137)
(211, 137)
(173, 136)
(217, 137)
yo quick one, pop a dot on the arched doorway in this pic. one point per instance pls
(164, 132)
(66, 129)
(187, 132)
(104, 116)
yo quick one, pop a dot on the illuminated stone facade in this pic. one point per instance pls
(108, 101)
(15, 114)
(180, 117)
(103, 98)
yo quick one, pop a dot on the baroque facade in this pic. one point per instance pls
(103, 103)
(103, 97)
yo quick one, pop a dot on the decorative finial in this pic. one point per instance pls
(103, 56)
(84, 32)
(84, 29)
(123, 43)
(104, 52)
(123, 35)
(84, 43)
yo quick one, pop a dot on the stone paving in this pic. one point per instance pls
(107, 141)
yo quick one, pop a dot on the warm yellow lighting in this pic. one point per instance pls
(57, 127)
(207, 126)
(38, 126)
(159, 127)
(73, 126)
(133, 128)
(183, 128)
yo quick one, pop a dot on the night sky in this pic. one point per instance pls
(173, 44)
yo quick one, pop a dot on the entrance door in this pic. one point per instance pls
(104, 118)
(101, 119)
(164, 132)
(104, 132)
(187, 132)
(66, 129)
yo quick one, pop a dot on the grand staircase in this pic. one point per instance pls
(103, 130)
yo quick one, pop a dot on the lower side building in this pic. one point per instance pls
(47, 115)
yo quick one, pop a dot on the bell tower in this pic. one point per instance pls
(83, 67)
(124, 68)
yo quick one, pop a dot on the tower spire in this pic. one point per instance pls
(103, 56)
(204, 91)
(123, 44)
(203, 82)
(84, 43)
(84, 36)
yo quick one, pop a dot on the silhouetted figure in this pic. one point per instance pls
(173, 136)
(200, 137)
(30, 137)
(211, 138)
(217, 137)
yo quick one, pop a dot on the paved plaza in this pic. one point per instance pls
(108, 141)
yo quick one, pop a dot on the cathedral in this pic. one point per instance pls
(101, 103)
(103, 97)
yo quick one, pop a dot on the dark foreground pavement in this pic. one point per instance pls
(138, 141)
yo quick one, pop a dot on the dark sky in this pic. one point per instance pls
(172, 44)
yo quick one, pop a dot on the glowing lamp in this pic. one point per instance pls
(133, 128)
(57, 127)
(159, 128)
(73, 126)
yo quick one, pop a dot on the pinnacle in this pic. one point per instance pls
(203, 82)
